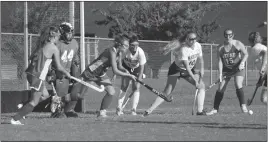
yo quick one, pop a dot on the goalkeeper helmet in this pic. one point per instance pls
(66, 30)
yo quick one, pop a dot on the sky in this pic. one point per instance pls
(241, 16)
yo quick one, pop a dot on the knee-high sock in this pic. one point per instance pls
(156, 103)
(106, 101)
(121, 98)
(200, 100)
(23, 111)
(240, 96)
(217, 100)
(136, 98)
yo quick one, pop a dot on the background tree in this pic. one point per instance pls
(40, 14)
(160, 21)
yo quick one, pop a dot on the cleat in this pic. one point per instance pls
(244, 108)
(212, 112)
(119, 111)
(13, 122)
(201, 113)
(146, 113)
(102, 113)
(133, 112)
(71, 113)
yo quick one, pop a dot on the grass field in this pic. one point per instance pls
(170, 122)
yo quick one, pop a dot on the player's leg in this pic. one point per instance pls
(170, 85)
(238, 79)
(122, 93)
(219, 96)
(200, 94)
(77, 93)
(27, 108)
(264, 91)
(173, 74)
(107, 99)
(61, 86)
(136, 97)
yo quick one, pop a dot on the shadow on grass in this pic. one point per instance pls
(207, 125)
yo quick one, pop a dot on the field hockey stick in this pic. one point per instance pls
(101, 89)
(160, 94)
(195, 96)
(128, 98)
(54, 92)
(255, 91)
(218, 81)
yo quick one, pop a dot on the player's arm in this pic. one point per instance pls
(243, 51)
(56, 55)
(263, 53)
(142, 62)
(200, 57)
(220, 65)
(184, 58)
(114, 65)
(75, 60)
(119, 65)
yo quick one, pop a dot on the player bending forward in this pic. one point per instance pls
(183, 67)
(259, 51)
(96, 72)
(231, 62)
(37, 71)
(133, 62)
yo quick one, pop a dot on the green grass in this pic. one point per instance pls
(170, 122)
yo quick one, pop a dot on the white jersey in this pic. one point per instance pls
(256, 50)
(188, 53)
(134, 61)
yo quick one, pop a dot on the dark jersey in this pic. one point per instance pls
(100, 65)
(230, 59)
(39, 65)
(68, 53)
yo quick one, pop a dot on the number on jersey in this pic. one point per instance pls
(67, 57)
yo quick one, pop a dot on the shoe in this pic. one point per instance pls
(102, 113)
(71, 113)
(212, 112)
(201, 113)
(119, 111)
(146, 113)
(13, 122)
(244, 108)
(133, 112)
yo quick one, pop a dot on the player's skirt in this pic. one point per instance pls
(134, 71)
(174, 70)
(228, 71)
(35, 82)
(103, 79)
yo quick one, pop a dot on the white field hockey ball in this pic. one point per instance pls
(250, 112)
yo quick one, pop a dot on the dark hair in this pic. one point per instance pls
(133, 38)
(255, 37)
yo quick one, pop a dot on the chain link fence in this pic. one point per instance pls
(13, 66)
